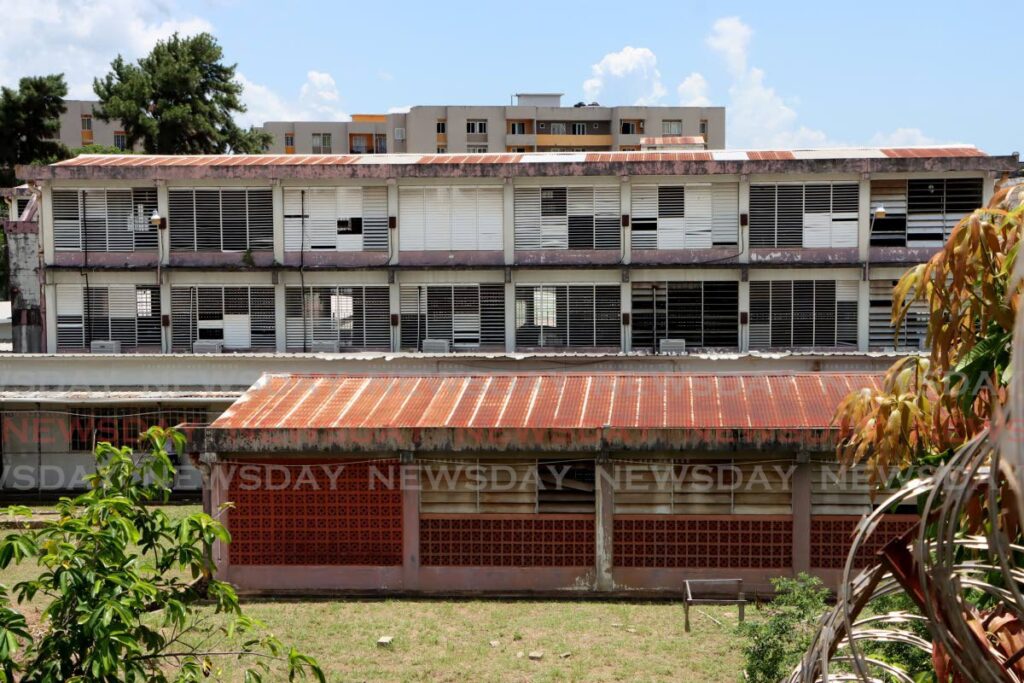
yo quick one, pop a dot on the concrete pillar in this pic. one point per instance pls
(217, 495)
(410, 526)
(277, 193)
(743, 305)
(744, 208)
(280, 314)
(863, 312)
(626, 203)
(988, 188)
(604, 518)
(510, 317)
(626, 305)
(508, 229)
(394, 236)
(163, 237)
(801, 500)
(395, 301)
(864, 220)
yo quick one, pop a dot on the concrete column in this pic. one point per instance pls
(217, 496)
(744, 208)
(510, 317)
(163, 236)
(395, 296)
(604, 518)
(626, 304)
(988, 188)
(863, 313)
(166, 339)
(394, 235)
(50, 316)
(46, 223)
(801, 499)
(744, 307)
(864, 220)
(508, 229)
(626, 204)
(280, 317)
(277, 193)
(410, 526)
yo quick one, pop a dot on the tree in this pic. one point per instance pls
(179, 99)
(30, 123)
(118, 609)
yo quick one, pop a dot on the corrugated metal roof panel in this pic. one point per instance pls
(543, 401)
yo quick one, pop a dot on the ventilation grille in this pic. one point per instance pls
(221, 219)
(567, 218)
(813, 215)
(451, 218)
(348, 318)
(553, 316)
(466, 316)
(128, 314)
(690, 217)
(104, 220)
(336, 219)
(803, 314)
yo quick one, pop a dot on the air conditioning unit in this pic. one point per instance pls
(208, 346)
(105, 346)
(324, 347)
(435, 346)
(672, 346)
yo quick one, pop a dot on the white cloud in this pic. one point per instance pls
(404, 109)
(730, 37)
(630, 74)
(80, 38)
(318, 100)
(693, 91)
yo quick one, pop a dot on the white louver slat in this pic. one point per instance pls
(129, 314)
(241, 317)
(527, 218)
(580, 316)
(881, 332)
(466, 316)
(229, 220)
(803, 313)
(813, 215)
(695, 216)
(698, 218)
(725, 221)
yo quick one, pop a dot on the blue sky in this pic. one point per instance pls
(800, 74)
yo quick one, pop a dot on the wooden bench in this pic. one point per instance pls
(688, 600)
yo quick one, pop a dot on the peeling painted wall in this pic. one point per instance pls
(26, 277)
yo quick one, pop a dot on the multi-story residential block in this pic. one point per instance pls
(608, 252)
(536, 123)
(79, 127)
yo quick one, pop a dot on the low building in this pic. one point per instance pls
(533, 482)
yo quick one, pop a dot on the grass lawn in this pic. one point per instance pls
(446, 640)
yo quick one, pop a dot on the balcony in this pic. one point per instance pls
(549, 140)
(521, 140)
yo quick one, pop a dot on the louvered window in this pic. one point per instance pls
(351, 317)
(336, 219)
(921, 212)
(104, 220)
(684, 217)
(803, 314)
(451, 218)
(241, 317)
(804, 215)
(704, 314)
(129, 314)
(553, 316)
(567, 217)
(466, 316)
(213, 219)
(913, 329)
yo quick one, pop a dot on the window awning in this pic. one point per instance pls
(540, 411)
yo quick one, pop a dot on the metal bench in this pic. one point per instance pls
(688, 600)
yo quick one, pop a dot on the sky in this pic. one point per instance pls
(789, 74)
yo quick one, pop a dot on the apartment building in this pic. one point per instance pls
(536, 123)
(611, 252)
(79, 127)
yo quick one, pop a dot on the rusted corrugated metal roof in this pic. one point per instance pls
(550, 410)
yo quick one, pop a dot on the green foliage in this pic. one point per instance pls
(179, 99)
(99, 149)
(30, 123)
(913, 661)
(111, 572)
(777, 640)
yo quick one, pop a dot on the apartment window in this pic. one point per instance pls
(336, 219)
(466, 316)
(803, 314)
(579, 128)
(672, 127)
(799, 215)
(921, 212)
(558, 128)
(517, 127)
(476, 126)
(881, 332)
(442, 150)
(477, 149)
(350, 317)
(289, 139)
(685, 216)
(399, 134)
(442, 126)
(210, 219)
(129, 314)
(554, 316)
(120, 140)
(631, 127)
(321, 143)
(241, 317)
(87, 122)
(104, 220)
(584, 217)
(451, 218)
(703, 314)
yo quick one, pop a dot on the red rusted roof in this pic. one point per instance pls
(561, 410)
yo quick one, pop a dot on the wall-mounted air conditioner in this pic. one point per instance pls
(105, 346)
(208, 346)
(672, 346)
(435, 346)
(324, 347)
